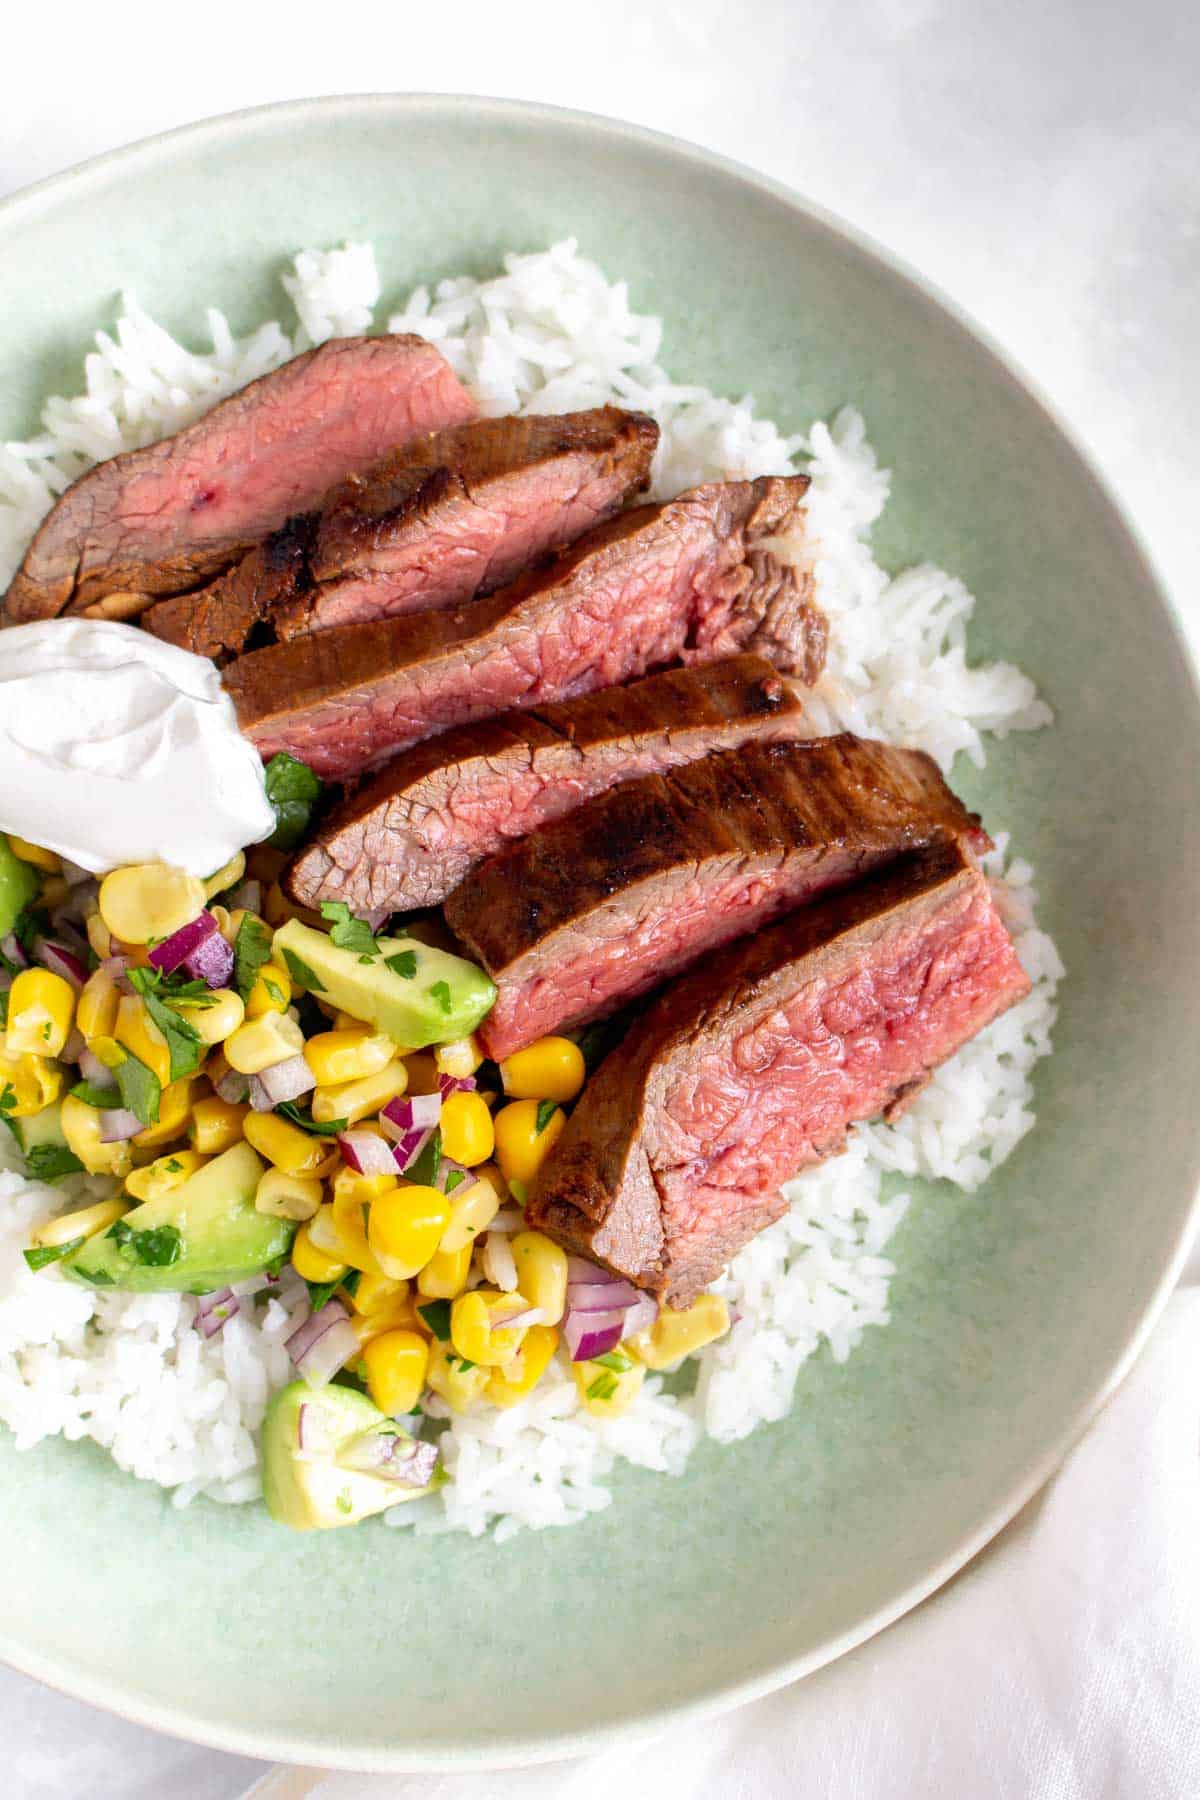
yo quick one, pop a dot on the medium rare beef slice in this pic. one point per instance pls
(690, 580)
(168, 517)
(755, 1066)
(437, 522)
(408, 837)
(610, 901)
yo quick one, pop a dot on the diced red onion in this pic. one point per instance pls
(520, 1319)
(641, 1315)
(315, 1326)
(212, 962)
(181, 944)
(414, 1112)
(254, 1284)
(93, 1070)
(61, 961)
(334, 1345)
(391, 1456)
(116, 968)
(592, 1334)
(580, 1269)
(247, 898)
(448, 1167)
(74, 1047)
(118, 1124)
(367, 1154)
(600, 1296)
(282, 1081)
(234, 1088)
(408, 1147)
(12, 949)
(215, 1310)
(455, 1084)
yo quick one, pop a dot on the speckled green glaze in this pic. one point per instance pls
(1014, 1310)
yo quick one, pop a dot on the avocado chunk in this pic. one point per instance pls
(18, 884)
(413, 992)
(201, 1236)
(312, 1480)
(42, 1128)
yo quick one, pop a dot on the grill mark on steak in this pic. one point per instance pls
(686, 580)
(604, 904)
(436, 523)
(409, 836)
(166, 518)
(758, 1063)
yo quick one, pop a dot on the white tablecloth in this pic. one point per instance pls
(1040, 165)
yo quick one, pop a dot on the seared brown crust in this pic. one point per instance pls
(408, 837)
(219, 619)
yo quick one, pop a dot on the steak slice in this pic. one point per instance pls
(408, 837)
(608, 902)
(756, 1064)
(437, 522)
(172, 515)
(694, 579)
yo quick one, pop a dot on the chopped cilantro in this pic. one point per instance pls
(460, 1363)
(437, 1316)
(251, 949)
(440, 991)
(545, 1112)
(158, 1248)
(519, 1192)
(615, 1359)
(183, 1040)
(139, 1087)
(424, 1170)
(349, 933)
(50, 1162)
(31, 923)
(91, 1095)
(47, 1028)
(403, 964)
(173, 1165)
(97, 1277)
(321, 1291)
(455, 1179)
(301, 972)
(274, 991)
(293, 791)
(43, 1255)
(344, 1503)
(8, 1098)
(287, 1109)
(603, 1388)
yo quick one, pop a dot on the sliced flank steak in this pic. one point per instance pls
(409, 836)
(170, 516)
(607, 903)
(756, 1064)
(692, 580)
(434, 524)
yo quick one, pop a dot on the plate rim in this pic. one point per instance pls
(716, 1697)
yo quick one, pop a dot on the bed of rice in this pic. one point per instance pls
(550, 334)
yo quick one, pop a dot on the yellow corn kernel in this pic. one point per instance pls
(396, 1364)
(608, 1389)
(284, 1196)
(375, 1293)
(41, 1011)
(33, 853)
(446, 1375)
(31, 1083)
(261, 1043)
(521, 1148)
(352, 1189)
(227, 876)
(313, 1264)
(355, 1100)
(404, 1228)
(164, 1174)
(468, 1135)
(136, 1030)
(340, 1056)
(98, 936)
(353, 1194)
(216, 1125)
(149, 900)
(541, 1273)
(217, 1020)
(96, 1009)
(677, 1334)
(174, 1105)
(423, 1073)
(224, 923)
(550, 1069)
(445, 1275)
(473, 1206)
(82, 1224)
(460, 1058)
(294, 1151)
(81, 1128)
(342, 1021)
(519, 1376)
(272, 992)
(477, 1328)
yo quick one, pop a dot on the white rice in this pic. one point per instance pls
(549, 334)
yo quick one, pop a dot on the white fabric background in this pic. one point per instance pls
(1039, 162)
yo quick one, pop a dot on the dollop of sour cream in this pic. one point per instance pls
(116, 748)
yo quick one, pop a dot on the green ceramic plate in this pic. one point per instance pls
(1016, 1311)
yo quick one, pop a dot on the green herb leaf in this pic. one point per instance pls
(344, 1503)
(287, 1109)
(91, 1095)
(97, 1277)
(545, 1112)
(348, 932)
(460, 1363)
(293, 791)
(321, 1291)
(158, 1248)
(43, 1255)
(275, 991)
(32, 922)
(50, 1162)
(251, 949)
(8, 1098)
(615, 1359)
(437, 1316)
(440, 991)
(603, 1388)
(183, 1040)
(455, 1179)
(301, 972)
(519, 1192)
(424, 1171)
(173, 1165)
(139, 1088)
(403, 964)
